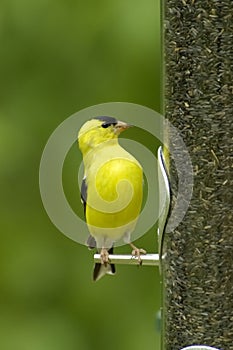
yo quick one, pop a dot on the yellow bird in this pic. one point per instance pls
(112, 189)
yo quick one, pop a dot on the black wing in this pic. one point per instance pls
(84, 194)
(91, 243)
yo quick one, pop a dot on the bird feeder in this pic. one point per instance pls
(198, 262)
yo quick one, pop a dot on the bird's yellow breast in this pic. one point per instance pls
(114, 193)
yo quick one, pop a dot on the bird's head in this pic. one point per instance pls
(98, 130)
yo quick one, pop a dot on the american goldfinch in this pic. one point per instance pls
(111, 191)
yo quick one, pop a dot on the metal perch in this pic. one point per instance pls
(147, 260)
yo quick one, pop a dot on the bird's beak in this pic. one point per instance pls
(121, 126)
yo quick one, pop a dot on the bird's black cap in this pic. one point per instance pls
(106, 119)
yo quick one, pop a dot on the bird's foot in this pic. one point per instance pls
(137, 252)
(104, 256)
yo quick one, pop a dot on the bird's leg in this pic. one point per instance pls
(137, 252)
(104, 256)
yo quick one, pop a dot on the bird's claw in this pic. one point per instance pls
(104, 257)
(136, 252)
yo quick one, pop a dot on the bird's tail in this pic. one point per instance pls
(100, 269)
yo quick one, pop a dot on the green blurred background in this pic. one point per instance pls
(57, 57)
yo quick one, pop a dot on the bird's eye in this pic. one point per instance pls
(106, 125)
